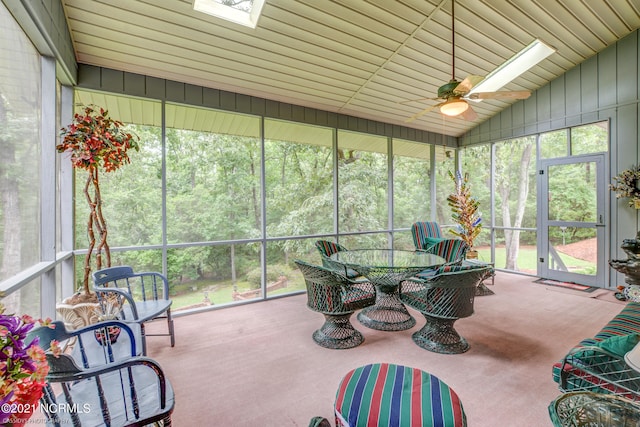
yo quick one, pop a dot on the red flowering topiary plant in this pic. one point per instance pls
(95, 141)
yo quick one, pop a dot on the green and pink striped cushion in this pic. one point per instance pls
(390, 395)
(423, 229)
(625, 323)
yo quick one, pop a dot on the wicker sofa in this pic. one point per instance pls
(597, 364)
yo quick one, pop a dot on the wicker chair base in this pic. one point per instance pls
(586, 409)
(338, 333)
(439, 336)
(387, 314)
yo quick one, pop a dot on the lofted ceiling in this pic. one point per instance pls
(355, 57)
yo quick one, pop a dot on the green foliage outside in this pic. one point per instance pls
(528, 259)
(214, 199)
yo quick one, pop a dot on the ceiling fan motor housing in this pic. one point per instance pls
(446, 91)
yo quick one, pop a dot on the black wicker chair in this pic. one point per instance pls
(328, 248)
(443, 299)
(336, 297)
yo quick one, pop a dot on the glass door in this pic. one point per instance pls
(572, 219)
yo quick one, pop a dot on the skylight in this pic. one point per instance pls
(243, 12)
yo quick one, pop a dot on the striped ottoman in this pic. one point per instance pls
(388, 395)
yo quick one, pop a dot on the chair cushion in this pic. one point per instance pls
(384, 394)
(620, 345)
(421, 230)
(452, 250)
(328, 248)
(430, 241)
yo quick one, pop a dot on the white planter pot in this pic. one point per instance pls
(76, 316)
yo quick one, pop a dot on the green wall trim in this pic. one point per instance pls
(121, 82)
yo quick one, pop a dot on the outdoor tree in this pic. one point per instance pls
(512, 187)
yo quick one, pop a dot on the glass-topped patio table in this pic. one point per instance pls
(386, 269)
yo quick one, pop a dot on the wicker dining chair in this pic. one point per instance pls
(443, 299)
(337, 298)
(328, 248)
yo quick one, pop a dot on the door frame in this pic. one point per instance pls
(543, 222)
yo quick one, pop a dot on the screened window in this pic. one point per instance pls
(445, 163)
(213, 175)
(476, 162)
(588, 139)
(20, 188)
(299, 179)
(362, 182)
(411, 182)
(515, 197)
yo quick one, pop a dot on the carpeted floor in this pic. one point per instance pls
(256, 365)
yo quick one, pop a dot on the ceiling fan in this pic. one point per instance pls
(453, 95)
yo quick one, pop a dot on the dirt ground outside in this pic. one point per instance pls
(586, 250)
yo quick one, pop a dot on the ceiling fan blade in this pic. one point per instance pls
(517, 94)
(422, 112)
(467, 84)
(469, 114)
(417, 100)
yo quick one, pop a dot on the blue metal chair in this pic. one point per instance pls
(103, 377)
(94, 345)
(144, 297)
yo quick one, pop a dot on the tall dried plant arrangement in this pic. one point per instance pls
(464, 208)
(96, 142)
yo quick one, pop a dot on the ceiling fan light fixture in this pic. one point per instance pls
(453, 107)
(514, 67)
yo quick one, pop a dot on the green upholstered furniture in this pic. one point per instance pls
(597, 364)
(328, 248)
(427, 235)
(144, 297)
(423, 229)
(443, 299)
(387, 395)
(337, 298)
(587, 409)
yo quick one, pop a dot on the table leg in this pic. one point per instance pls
(482, 290)
(388, 313)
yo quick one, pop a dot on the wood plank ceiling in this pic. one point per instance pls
(356, 57)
